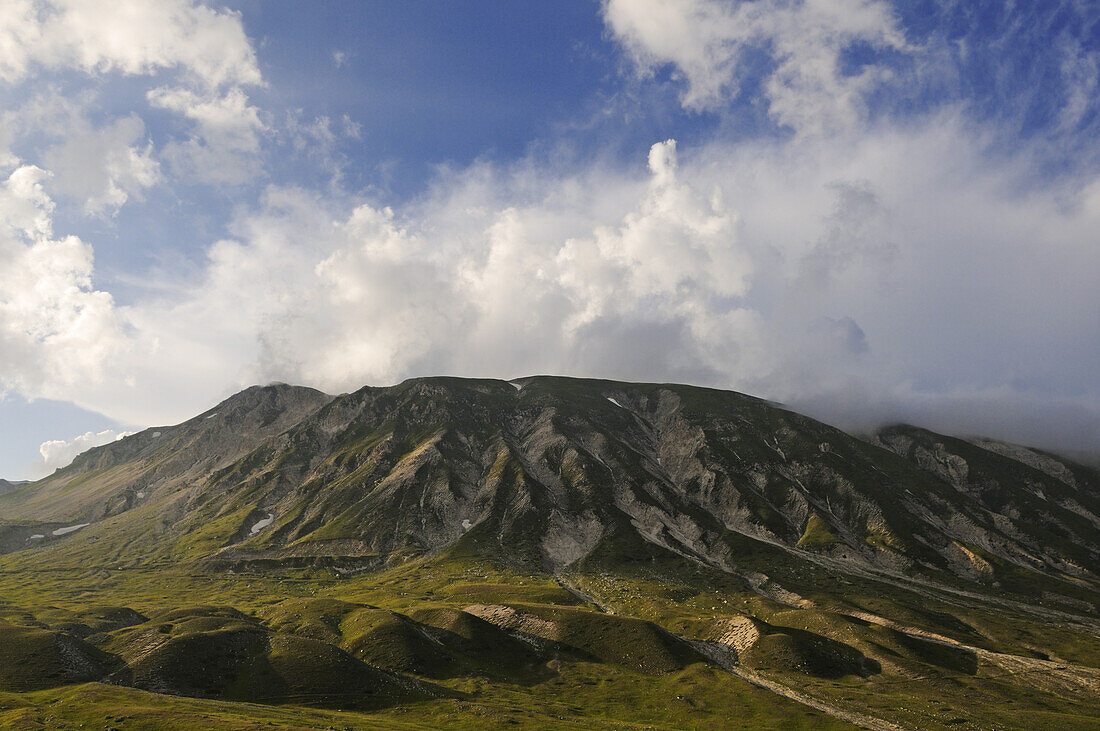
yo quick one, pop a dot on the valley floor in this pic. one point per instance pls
(829, 663)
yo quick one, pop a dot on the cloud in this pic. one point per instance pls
(132, 37)
(337, 299)
(203, 62)
(225, 143)
(56, 330)
(103, 167)
(804, 273)
(903, 269)
(99, 165)
(25, 207)
(58, 453)
(711, 45)
(319, 141)
(674, 261)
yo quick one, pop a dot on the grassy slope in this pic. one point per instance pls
(590, 695)
(914, 686)
(582, 696)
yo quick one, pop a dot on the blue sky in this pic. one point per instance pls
(871, 210)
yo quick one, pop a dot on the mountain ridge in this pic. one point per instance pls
(583, 459)
(493, 544)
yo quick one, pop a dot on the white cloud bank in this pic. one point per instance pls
(895, 277)
(57, 453)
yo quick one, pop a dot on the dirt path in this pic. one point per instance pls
(582, 596)
(1065, 679)
(714, 652)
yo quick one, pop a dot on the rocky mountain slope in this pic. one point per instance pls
(556, 472)
(661, 515)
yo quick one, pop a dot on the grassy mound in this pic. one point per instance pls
(390, 640)
(317, 619)
(33, 659)
(941, 654)
(631, 643)
(316, 673)
(791, 650)
(219, 663)
(481, 648)
(218, 652)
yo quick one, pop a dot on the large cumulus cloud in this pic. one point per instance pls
(897, 277)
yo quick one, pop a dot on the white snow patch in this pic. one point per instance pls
(466, 524)
(615, 402)
(156, 434)
(263, 524)
(517, 386)
(140, 495)
(35, 537)
(212, 415)
(70, 529)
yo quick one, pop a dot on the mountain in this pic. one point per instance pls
(527, 531)
(6, 485)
